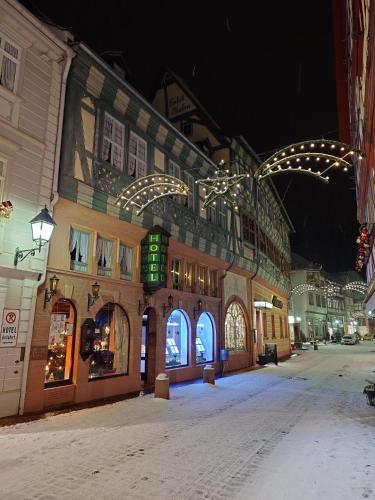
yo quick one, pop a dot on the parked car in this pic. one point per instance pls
(349, 340)
(368, 336)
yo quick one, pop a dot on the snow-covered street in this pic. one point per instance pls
(300, 430)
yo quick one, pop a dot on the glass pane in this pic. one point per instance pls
(177, 335)
(60, 343)
(235, 328)
(204, 339)
(111, 343)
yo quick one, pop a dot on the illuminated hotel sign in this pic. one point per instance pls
(154, 249)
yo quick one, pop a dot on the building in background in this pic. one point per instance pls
(321, 308)
(34, 63)
(354, 23)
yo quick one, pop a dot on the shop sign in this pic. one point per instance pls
(277, 302)
(9, 328)
(154, 250)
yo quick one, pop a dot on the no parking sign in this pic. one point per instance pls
(9, 328)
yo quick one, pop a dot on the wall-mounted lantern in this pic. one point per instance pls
(91, 299)
(41, 226)
(48, 294)
(167, 307)
(197, 309)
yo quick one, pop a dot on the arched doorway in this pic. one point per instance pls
(61, 341)
(148, 347)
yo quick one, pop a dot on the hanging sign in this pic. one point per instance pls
(277, 302)
(9, 328)
(154, 250)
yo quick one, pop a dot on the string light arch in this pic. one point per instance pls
(146, 190)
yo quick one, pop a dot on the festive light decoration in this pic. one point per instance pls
(302, 288)
(357, 286)
(363, 248)
(145, 190)
(6, 209)
(222, 185)
(329, 288)
(312, 157)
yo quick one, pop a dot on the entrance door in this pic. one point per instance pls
(148, 347)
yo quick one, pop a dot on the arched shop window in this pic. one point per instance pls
(204, 340)
(61, 343)
(111, 343)
(235, 328)
(177, 340)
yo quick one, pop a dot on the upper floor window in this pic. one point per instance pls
(188, 276)
(78, 248)
(212, 214)
(187, 128)
(189, 201)
(137, 156)
(126, 261)
(9, 63)
(176, 276)
(202, 280)
(311, 299)
(113, 141)
(104, 256)
(213, 283)
(248, 229)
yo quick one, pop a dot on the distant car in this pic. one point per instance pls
(367, 336)
(349, 340)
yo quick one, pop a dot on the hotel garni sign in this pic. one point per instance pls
(154, 250)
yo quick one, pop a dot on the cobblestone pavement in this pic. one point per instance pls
(299, 430)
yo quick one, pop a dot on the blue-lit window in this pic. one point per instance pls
(204, 340)
(177, 340)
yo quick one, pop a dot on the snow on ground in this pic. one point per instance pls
(299, 431)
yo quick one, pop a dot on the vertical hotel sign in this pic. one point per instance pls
(154, 250)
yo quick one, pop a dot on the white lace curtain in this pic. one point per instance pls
(104, 252)
(126, 256)
(80, 242)
(9, 57)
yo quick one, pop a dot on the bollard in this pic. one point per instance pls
(162, 386)
(315, 346)
(209, 374)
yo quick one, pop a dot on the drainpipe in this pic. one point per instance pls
(54, 197)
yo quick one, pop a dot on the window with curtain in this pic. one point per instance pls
(78, 248)
(104, 256)
(190, 182)
(176, 273)
(188, 276)
(111, 343)
(235, 328)
(9, 63)
(137, 166)
(113, 141)
(202, 280)
(126, 262)
(213, 283)
(175, 170)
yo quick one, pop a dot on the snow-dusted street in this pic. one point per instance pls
(300, 430)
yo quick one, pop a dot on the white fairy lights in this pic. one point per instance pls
(144, 191)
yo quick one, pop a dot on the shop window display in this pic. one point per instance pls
(110, 343)
(235, 328)
(60, 344)
(177, 337)
(204, 340)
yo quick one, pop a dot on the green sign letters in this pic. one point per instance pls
(154, 248)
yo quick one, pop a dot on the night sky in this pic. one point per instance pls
(266, 73)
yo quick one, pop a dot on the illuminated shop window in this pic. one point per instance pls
(235, 328)
(110, 343)
(177, 340)
(204, 340)
(60, 344)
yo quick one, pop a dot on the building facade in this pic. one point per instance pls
(105, 333)
(355, 83)
(34, 63)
